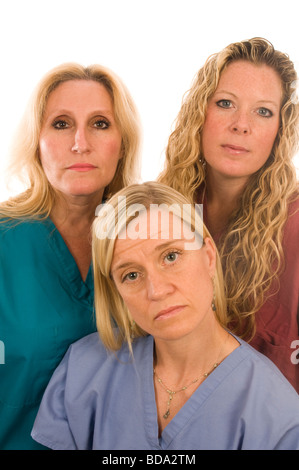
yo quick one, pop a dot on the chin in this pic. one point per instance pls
(80, 190)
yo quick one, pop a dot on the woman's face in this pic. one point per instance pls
(242, 120)
(166, 286)
(80, 142)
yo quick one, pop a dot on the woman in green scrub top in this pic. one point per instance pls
(77, 145)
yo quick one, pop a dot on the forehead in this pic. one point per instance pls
(75, 92)
(158, 224)
(259, 79)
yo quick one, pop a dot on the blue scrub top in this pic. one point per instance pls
(44, 307)
(101, 400)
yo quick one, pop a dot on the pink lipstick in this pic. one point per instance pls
(81, 167)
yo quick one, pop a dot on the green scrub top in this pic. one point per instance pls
(44, 307)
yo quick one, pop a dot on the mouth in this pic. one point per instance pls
(168, 312)
(81, 167)
(235, 149)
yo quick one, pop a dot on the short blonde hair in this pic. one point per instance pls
(39, 198)
(110, 308)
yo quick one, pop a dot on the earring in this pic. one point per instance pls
(132, 329)
(213, 305)
(202, 161)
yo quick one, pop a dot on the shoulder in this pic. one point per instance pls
(90, 358)
(258, 369)
(291, 228)
(293, 209)
(87, 350)
(18, 230)
(18, 225)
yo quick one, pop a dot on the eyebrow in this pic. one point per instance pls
(235, 96)
(160, 247)
(66, 112)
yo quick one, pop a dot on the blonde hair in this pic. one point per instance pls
(251, 251)
(110, 308)
(38, 200)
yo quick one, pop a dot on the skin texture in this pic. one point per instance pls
(168, 290)
(80, 147)
(157, 273)
(79, 128)
(242, 121)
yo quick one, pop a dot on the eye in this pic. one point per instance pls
(101, 124)
(60, 124)
(171, 257)
(132, 276)
(224, 104)
(265, 112)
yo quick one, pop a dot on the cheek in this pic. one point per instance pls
(47, 151)
(138, 309)
(265, 142)
(129, 300)
(211, 130)
(110, 147)
(268, 137)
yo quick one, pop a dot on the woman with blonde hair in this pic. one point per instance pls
(163, 372)
(232, 148)
(77, 145)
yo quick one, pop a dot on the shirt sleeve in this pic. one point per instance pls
(51, 427)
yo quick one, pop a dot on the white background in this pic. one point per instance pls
(155, 46)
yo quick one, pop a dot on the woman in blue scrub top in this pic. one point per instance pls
(77, 145)
(171, 376)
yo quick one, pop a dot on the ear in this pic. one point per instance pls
(210, 253)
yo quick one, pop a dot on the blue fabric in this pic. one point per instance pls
(101, 400)
(44, 307)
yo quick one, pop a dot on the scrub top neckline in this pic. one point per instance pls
(192, 405)
(79, 287)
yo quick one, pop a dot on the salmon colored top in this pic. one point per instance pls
(277, 321)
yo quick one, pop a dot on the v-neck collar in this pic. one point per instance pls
(192, 405)
(69, 270)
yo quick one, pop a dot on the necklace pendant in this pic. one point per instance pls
(165, 416)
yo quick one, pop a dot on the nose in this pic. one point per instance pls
(81, 144)
(158, 286)
(241, 123)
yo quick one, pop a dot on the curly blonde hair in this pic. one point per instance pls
(37, 201)
(251, 250)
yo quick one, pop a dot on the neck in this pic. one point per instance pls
(222, 199)
(179, 361)
(224, 190)
(73, 217)
(75, 214)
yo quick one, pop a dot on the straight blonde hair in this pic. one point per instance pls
(37, 201)
(110, 308)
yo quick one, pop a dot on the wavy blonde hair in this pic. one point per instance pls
(110, 308)
(251, 251)
(37, 201)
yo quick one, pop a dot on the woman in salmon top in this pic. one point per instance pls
(232, 149)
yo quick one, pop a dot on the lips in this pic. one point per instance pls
(235, 149)
(168, 312)
(81, 167)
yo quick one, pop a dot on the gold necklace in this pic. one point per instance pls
(171, 393)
